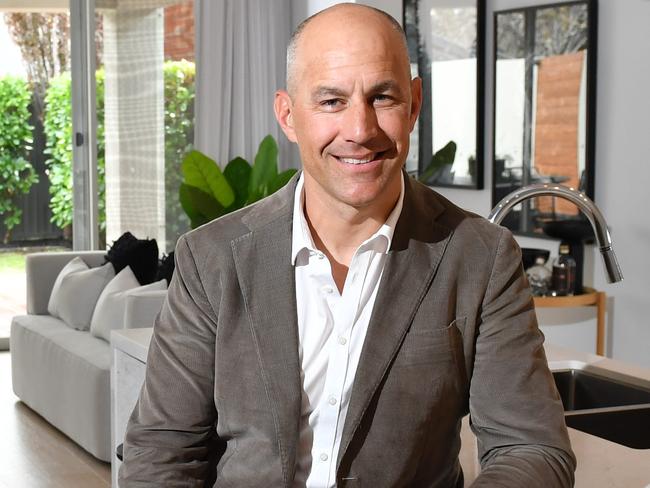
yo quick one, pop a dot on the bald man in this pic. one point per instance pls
(335, 333)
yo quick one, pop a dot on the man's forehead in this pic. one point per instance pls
(345, 28)
(348, 65)
(346, 37)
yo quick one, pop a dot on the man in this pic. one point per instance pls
(337, 332)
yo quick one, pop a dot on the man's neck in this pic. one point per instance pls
(338, 229)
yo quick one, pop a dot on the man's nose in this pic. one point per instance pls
(360, 124)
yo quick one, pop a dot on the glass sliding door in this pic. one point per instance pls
(145, 120)
(34, 143)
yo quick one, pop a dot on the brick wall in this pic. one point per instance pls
(179, 31)
(556, 124)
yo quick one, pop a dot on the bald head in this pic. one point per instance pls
(336, 21)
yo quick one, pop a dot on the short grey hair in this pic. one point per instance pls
(292, 46)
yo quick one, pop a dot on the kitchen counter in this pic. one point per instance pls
(601, 463)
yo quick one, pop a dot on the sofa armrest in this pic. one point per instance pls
(142, 307)
(41, 270)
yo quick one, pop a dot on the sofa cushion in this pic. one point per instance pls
(75, 265)
(109, 312)
(88, 348)
(64, 375)
(76, 291)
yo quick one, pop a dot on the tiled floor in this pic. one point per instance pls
(33, 454)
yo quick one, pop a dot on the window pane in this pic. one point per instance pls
(146, 118)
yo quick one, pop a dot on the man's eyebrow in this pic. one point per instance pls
(380, 87)
(386, 86)
(327, 91)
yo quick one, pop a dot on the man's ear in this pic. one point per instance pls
(283, 108)
(416, 100)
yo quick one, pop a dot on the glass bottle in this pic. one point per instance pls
(564, 272)
(539, 277)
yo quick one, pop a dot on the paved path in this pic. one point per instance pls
(12, 298)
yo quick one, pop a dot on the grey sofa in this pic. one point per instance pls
(64, 374)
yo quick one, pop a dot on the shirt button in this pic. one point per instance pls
(320, 255)
(342, 340)
(323, 457)
(332, 400)
(327, 289)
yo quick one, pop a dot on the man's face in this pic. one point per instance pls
(351, 109)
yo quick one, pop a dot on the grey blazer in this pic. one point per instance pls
(453, 331)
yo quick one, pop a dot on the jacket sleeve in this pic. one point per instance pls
(515, 410)
(171, 431)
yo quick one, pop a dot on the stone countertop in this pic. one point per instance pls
(601, 463)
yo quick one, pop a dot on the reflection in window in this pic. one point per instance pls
(443, 41)
(541, 108)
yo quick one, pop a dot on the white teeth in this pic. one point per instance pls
(356, 161)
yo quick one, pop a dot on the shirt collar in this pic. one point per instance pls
(302, 241)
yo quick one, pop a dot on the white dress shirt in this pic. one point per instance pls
(331, 329)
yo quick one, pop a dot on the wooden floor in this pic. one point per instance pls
(33, 454)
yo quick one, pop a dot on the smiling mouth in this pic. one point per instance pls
(359, 161)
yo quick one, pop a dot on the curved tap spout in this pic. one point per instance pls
(586, 206)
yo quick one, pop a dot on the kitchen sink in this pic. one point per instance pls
(606, 404)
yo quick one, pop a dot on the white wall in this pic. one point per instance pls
(622, 180)
(623, 167)
(622, 175)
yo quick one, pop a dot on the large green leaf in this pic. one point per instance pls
(280, 180)
(186, 202)
(199, 205)
(203, 173)
(265, 169)
(238, 174)
(442, 157)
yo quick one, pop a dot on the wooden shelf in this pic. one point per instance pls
(590, 298)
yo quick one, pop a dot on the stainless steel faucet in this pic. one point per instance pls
(586, 206)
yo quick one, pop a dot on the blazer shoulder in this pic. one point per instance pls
(464, 223)
(219, 233)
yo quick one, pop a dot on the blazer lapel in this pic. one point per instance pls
(266, 277)
(417, 248)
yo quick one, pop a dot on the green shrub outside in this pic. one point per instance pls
(179, 135)
(16, 173)
(57, 125)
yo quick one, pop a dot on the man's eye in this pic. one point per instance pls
(331, 103)
(381, 99)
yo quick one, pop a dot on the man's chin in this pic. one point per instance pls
(367, 198)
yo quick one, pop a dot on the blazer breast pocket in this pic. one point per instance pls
(434, 346)
(428, 369)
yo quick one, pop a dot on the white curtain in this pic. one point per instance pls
(241, 46)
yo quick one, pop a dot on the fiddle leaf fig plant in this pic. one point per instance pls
(207, 193)
(203, 173)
